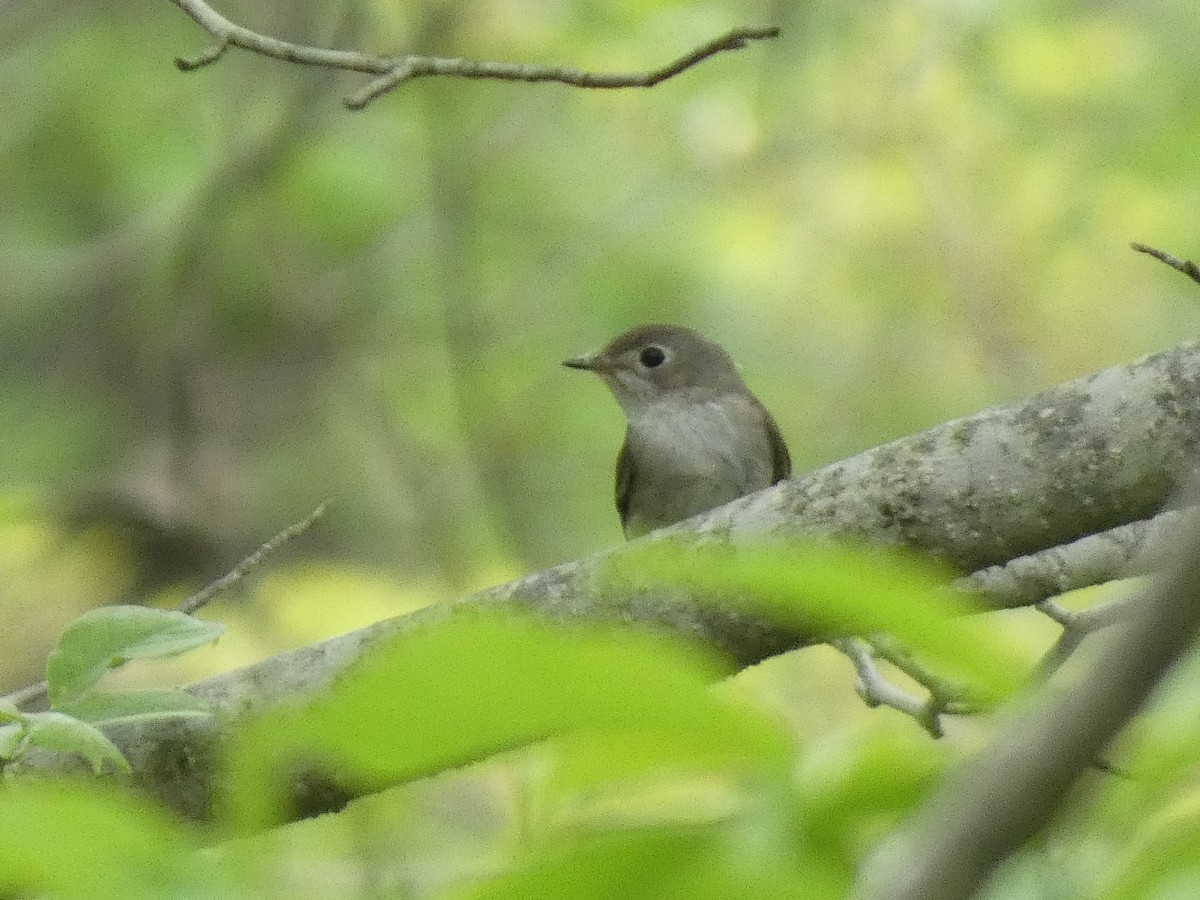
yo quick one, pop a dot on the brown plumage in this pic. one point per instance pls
(696, 437)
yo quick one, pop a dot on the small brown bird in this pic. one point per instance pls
(695, 437)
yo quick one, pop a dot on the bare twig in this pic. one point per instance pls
(1186, 266)
(392, 71)
(205, 595)
(1077, 626)
(1138, 548)
(205, 57)
(1134, 549)
(876, 690)
(377, 87)
(1131, 549)
(36, 692)
(1035, 579)
(944, 698)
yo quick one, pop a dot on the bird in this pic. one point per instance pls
(695, 437)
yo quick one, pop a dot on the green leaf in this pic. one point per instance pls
(98, 707)
(828, 587)
(1162, 857)
(107, 637)
(10, 740)
(851, 786)
(634, 760)
(64, 734)
(87, 840)
(9, 712)
(699, 863)
(479, 683)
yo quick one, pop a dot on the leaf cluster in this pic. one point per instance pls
(93, 645)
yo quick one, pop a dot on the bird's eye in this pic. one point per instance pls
(652, 356)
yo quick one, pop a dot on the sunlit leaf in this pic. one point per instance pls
(697, 863)
(99, 707)
(89, 841)
(850, 785)
(111, 635)
(632, 759)
(835, 588)
(477, 684)
(1165, 857)
(63, 734)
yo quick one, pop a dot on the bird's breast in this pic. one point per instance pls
(691, 458)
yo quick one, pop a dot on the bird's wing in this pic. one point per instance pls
(781, 462)
(625, 477)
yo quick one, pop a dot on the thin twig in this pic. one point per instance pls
(876, 690)
(205, 595)
(945, 695)
(197, 601)
(377, 87)
(1186, 266)
(1127, 550)
(1076, 626)
(396, 70)
(205, 57)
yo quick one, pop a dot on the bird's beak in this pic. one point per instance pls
(587, 363)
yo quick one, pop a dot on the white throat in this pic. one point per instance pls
(700, 437)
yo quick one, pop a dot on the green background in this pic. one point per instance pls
(226, 298)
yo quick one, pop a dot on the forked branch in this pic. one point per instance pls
(1134, 549)
(876, 690)
(393, 71)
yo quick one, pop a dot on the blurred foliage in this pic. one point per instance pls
(627, 776)
(837, 588)
(478, 684)
(509, 757)
(224, 299)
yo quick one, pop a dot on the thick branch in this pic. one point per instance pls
(1081, 457)
(1122, 552)
(392, 71)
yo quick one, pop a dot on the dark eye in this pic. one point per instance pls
(652, 356)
